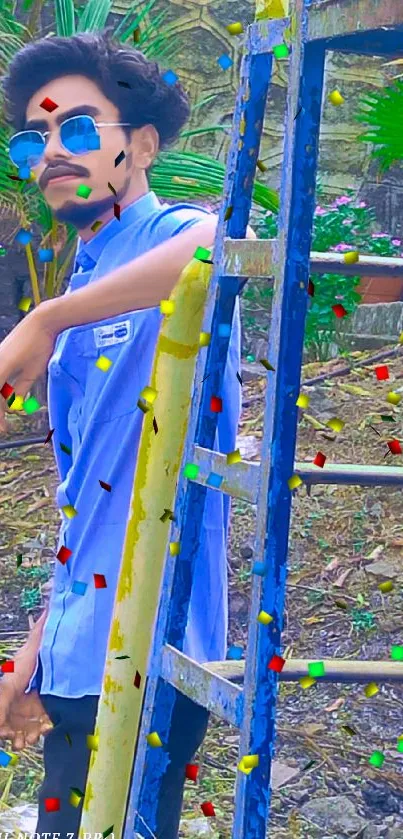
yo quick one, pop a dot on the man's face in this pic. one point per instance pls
(76, 95)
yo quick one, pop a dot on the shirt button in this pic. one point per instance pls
(60, 587)
(54, 368)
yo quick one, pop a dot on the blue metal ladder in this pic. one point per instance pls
(357, 26)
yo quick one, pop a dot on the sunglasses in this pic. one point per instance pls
(78, 135)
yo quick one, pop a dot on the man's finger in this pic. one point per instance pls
(19, 741)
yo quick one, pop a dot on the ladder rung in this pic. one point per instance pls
(336, 18)
(336, 670)
(241, 479)
(255, 258)
(208, 689)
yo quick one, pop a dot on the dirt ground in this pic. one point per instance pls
(345, 541)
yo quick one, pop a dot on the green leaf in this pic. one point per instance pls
(65, 19)
(95, 15)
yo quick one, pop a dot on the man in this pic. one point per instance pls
(79, 105)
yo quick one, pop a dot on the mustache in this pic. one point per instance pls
(60, 169)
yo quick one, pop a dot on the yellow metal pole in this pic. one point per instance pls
(142, 565)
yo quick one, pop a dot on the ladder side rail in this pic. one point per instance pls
(159, 698)
(253, 793)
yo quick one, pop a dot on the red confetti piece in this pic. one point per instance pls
(339, 310)
(50, 435)
(394, 446)
(276, 663)
(137, 680)
(320, 459)
(6, 390)
(382, 372)
(7, 667)
(48, 105)
(311, 288)
(99, 581)
(116, 211)
(52, 805)
(64, 554)
(207, 808)
(216, 404)
(105, 486)
(191, 771)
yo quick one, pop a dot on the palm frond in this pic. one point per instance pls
(64, 17)
(132, 19)
(382, 112)
(95, 15)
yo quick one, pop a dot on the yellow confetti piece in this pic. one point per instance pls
(243, 768)
(307, 681)
(154, 740)
(167, 307)
(75, 799)
(271, 9)
(250, 761)
(264, 618)
(336, 424)
(386, 587)
(261, 166)
(103, 363)
(400, 338)
(393, 398)
(350, 257)
(69, 511)
(149, 394)
(18, 404)
(93, 742)
(235, 28)
(294, 482)
(336, 98)
(184, 181)
(174, 548)
(24, 304)
(234, 457)
(303, 401)
(204, 339)
(371, 690)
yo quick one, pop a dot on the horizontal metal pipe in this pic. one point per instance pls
(336, 670)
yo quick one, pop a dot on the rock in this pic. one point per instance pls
(190, 828)
(337, 815)
(22, 818)
(389, 568)
(246, 552)
(395, 832)
(248, 445)
(375, 831)
(380, 799)
(320, 405)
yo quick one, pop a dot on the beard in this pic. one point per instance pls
(81, 216)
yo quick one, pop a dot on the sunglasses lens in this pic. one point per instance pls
(26, 149)
(79, 135)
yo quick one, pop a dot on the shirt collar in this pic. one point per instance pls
(88, 253)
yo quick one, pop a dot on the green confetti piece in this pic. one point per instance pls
(65, 449)
(280, 51)
(191, 471)
(31, 405)
(387, 418)
(107, 832)
(84, 191)
(377, 759)
(10, 400)
(121, 657)
(19, 560)
(316, 669)
(201, 253)
(400, 745)
(396, 653)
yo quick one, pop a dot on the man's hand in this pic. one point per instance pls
(22, 718)
(24, 356)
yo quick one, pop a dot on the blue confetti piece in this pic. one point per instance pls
(214, 480)
(224, 330)
(23, 237)
(170, 77)
(225, 61)
(46, 254)
(235, 653)
(259, 568)
(24, 173)
(5, 759)
(79, 588)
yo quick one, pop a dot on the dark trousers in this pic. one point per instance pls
(67, 765)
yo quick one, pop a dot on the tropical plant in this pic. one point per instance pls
(382, 112)
(176, 174)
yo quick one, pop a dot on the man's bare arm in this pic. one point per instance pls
(139, 284)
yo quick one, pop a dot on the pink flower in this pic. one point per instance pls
(396, 242)
(320, 211)
(342, 247)
(380, 236)
(344, 199)
(347, 221)
(362, 204)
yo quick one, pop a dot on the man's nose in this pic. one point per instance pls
(54, 148)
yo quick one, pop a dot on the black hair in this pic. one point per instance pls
(142, 98)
